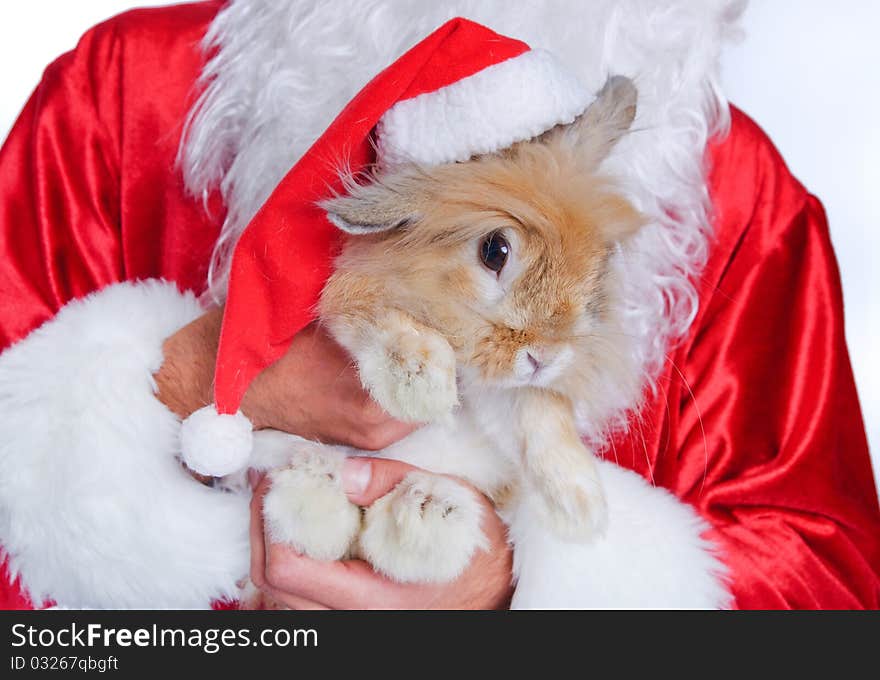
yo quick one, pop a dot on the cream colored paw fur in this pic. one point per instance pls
(307, 509)
(411, 373)
(425, 530)
(573, 507)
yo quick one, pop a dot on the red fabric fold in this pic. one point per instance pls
(757, 421)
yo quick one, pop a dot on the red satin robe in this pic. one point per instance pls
(756, 421)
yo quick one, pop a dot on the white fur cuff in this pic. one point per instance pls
(652, 556)
(95, 509)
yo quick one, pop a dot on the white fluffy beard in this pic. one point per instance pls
(282, 70)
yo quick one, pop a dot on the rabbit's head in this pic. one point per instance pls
(506, 255)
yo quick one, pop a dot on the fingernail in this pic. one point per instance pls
(254, 478)
(356, 473)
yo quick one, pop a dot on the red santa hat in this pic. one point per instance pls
(462, 91)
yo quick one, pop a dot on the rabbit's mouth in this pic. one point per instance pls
(530, 366)
(540, 366)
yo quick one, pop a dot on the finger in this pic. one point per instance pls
(349, 584)
(255, 477)
(276, 599)
(376, 435)
(257, 538)
(368, 479)
(395, 430)
(299, 604)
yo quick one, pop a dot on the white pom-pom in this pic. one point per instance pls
(215, 444)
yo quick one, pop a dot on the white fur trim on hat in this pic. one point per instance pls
(216, 444)
(509, 102)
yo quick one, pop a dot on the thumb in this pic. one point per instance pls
(368, 479)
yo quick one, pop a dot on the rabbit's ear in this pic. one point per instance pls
(595, 132)
(372, 208)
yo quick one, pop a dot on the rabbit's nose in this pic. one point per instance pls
(538, 365)
(533, 360)
(542, 357)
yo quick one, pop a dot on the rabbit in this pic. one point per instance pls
(476, 297)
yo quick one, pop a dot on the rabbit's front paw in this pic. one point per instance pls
(307, 509)
(574, 506)
(424, 531)
(411, 374)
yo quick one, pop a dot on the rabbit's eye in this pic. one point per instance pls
(494, 251)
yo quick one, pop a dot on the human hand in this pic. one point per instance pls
(297, 582)
(313, 391)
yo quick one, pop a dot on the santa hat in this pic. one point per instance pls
(462, 91)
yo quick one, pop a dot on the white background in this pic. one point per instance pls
(806, 72)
